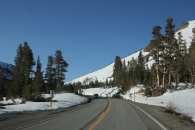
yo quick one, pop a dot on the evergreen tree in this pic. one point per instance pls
(171, 48)
(29, 62)
(107, 83)
(140, 68)
(50, 73)
(124, 67)
(153, 76)
(154, 48)
(18, 74)
(60, 67)
(123, 72)
(132, 72)
(190, 60)
(182, 44)
(24, 62)
(116, 71)
(183, 51)
(146, 76)
(38, 82)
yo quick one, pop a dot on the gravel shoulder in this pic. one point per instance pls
(168, 120)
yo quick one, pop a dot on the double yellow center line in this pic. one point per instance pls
(101, 116)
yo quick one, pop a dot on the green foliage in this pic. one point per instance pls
(24, 63)
(38, 83)
(26, 93)
(60, 67)
(26, 82)
(117, 71)
(50, 73)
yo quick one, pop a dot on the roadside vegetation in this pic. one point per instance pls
(29, 84)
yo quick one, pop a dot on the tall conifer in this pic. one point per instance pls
(60, 68)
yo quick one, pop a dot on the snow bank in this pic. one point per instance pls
(183, 99)
(64, 100)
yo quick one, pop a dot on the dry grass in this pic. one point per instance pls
(172, 108)
(140, 91)
(185, 117)
(176, 111)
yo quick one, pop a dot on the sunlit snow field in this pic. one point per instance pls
(64, 100)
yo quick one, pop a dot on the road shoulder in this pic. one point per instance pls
(171, 121)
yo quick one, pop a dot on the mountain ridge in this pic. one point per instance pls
(7, 69)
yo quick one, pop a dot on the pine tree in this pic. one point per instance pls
(132, 74)
(153, 77)
(50, 73)
(190, 59)
(28, 63)
(18, 74)
(116, 71)
(60, 67)
(140, 68)
(24, 62)
(38, 83)
(171, 48)
(107, 83)
(182, 44)
(146, 76)
(154, 48)
(123, 72)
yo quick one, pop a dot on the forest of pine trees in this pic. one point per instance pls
(28, 83)
(173, 62)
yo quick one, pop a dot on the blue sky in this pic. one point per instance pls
(90, 33)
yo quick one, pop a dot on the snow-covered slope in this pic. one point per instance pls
(187, 32)
(177, 98)
(7, 69)
(64, 100)
(106, 72)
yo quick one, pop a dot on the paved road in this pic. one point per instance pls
(118, 115)
(75, 120)
(122, 116)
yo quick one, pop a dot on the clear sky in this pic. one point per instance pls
(90, 33)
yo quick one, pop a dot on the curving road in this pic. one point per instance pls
(122, 116)
(72, 121)
(118, 115)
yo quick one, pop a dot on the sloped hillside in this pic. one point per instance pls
(7, 69)
(106, 72)
(187, 32)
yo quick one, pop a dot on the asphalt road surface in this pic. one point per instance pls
(103, 114)
(122, 116)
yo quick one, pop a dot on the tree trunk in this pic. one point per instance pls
(170, 79)
(163, 82)
(192, 80)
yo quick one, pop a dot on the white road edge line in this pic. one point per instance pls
(150, 117)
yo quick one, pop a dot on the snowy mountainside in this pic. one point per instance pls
(7, 68)
(187, 32)
(105, 73)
